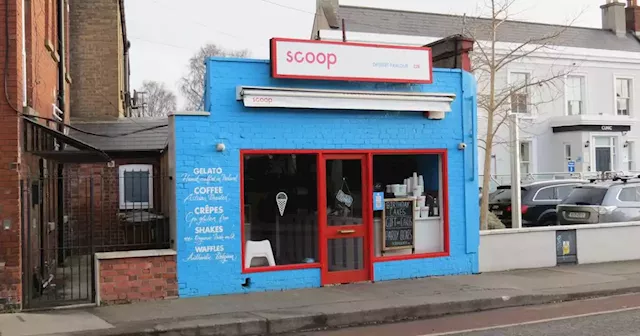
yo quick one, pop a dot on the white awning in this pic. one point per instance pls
(436, 104)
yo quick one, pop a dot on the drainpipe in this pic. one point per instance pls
(127, 72)
(24, 54)
(61, 105)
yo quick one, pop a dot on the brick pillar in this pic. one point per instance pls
(10, 243)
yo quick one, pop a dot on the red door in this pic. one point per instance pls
(344, 219)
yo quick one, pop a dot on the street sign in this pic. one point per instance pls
(571, 166)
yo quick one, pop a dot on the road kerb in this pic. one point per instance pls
(273, 323)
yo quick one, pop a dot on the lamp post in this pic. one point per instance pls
(516, 215)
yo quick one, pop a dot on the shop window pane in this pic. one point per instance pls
(292, 235)
(344, 192)
(394, 176)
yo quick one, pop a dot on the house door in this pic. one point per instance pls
(603, 159)
(345, 224)
(605, 148)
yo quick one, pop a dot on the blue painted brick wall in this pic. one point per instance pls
(218, 271)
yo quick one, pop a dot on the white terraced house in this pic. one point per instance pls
(587, 117)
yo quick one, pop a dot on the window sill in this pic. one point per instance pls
(135, 254)
(280, 268)
(411, 256)
(67, 77)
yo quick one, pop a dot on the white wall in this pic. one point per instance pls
(509, 249)
(502, 250)
(606, 244)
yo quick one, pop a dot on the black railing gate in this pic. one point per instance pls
(58, 259)
(97, 210)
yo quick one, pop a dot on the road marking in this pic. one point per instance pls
(622, 310)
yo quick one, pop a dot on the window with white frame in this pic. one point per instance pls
(575, 97)
(623, 96)
(520, 97)
(629, 162)
(567, 152)
(136, 186)
(525, 157)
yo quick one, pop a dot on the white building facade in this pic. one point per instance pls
(584, 115)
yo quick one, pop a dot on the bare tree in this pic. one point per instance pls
(497, 100)
(156, 101)
(192, 84)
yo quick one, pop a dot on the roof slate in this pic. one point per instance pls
(386, 21)
(151, 140)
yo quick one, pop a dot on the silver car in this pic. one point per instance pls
(602, 202)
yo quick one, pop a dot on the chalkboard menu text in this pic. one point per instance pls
(398, 219)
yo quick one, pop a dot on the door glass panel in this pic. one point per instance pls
(345, 254)
(344, 192)
(603, 159)
(603, 142)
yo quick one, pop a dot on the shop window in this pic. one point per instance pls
(136, 186)
(418, 178)
(623, 96)
(280, 230)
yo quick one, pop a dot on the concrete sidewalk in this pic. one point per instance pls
(339, 306)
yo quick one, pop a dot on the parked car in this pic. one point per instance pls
(538, 199)
(610, 201)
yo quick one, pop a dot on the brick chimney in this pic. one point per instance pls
(452, 52)
(613, 17)
(633, 16)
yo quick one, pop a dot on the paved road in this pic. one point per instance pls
(612, 316)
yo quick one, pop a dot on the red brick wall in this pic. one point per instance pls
(137, 279)
(10, 265)
(107, 232)
(42, 71)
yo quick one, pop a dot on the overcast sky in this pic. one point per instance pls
(165, 33)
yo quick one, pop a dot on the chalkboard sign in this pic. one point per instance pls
(398, 219)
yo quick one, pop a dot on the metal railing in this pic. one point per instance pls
(498, 180)
(60, 243)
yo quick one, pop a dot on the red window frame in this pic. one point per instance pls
(444, 164)
(442, 153)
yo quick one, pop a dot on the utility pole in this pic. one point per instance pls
(516, 215)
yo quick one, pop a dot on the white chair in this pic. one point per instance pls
(258, 249)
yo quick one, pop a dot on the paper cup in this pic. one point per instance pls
(422, 201)
(424, 212)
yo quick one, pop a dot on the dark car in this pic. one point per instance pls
(612, 201)
(539, 201)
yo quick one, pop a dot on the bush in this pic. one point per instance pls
(494, 222)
